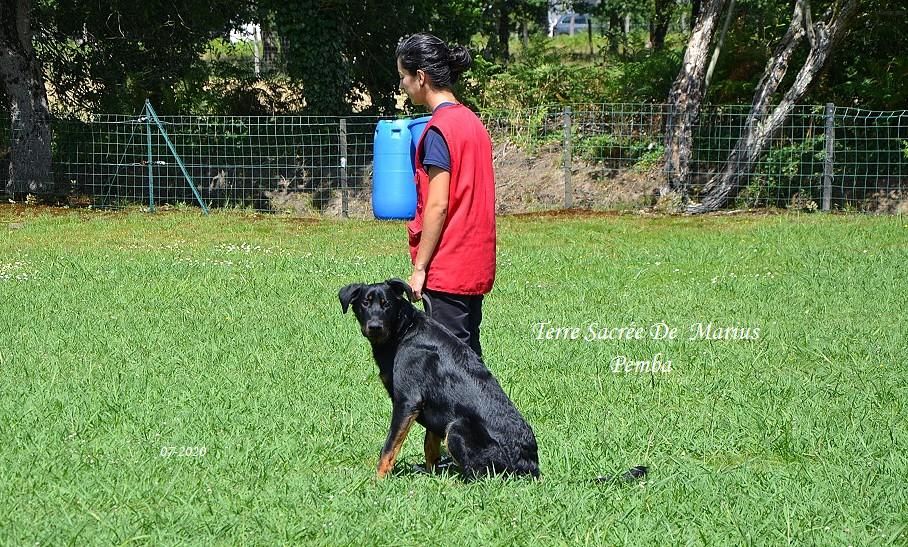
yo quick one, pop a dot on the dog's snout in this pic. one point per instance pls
(374, 326)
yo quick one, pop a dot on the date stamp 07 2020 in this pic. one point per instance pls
(183, 451)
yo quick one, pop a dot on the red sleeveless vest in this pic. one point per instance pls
(464, 260)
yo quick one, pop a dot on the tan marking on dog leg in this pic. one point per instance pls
(432, 448)
(386, 461)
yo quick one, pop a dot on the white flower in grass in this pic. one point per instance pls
(13, 271)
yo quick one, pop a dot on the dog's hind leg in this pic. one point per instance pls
(469, 445)
(456, 443)
(432, 447)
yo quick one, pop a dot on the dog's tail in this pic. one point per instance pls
(631, 475)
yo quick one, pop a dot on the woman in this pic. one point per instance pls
(452, 237)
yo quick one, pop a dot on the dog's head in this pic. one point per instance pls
(381, 309)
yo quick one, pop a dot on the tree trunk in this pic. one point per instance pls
(497, 47)
(30, 169)
(718, 49)
(759, 127)
(270, 42)
(504, 32)
(659, 25)
(684, 101)
(695, 8)
(589, 35)
(256, 51)
(614, 31)
(285, 51)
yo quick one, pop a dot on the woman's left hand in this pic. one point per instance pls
(417, 282)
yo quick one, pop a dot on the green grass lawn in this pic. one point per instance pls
(122, 335)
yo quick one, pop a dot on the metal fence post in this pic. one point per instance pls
(568, 187)
(828, 162)
(150, 163)
(195, 191)
(343, 166)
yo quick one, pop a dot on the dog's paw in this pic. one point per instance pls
(631, 475)
(444, 466)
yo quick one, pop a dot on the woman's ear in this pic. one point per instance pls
(421, 76)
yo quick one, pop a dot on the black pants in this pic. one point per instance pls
(459, 313)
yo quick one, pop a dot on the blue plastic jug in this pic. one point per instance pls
(393, 188)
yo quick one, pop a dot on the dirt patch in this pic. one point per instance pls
(887, 201)
(329, 203)
(528, 182)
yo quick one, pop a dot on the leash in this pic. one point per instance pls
(426, 304)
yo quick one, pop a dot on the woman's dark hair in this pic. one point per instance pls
(425, 52)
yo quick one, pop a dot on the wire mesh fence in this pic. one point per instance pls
(789, 172)
(871, 159)
(243, 161)
(588, 156)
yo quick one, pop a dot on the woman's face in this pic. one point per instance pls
(414, 85)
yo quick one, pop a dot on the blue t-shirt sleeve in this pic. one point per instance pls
(435, 150)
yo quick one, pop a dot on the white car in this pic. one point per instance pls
(579, 20)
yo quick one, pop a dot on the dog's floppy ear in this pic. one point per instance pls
(400, 287)
(350, 293)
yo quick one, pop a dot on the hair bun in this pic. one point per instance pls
(459, 60)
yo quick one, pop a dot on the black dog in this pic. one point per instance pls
(435, 379)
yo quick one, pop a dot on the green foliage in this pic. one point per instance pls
(547, 84)
(315, 52)
(499, 16)
(111, 56)
(341, 51)
(786, 174)
(653, 156)
(619, 150)
(546, 74)
(869, 67)
(229, 85)
(536, 77)
(471, 90)
(646, 77)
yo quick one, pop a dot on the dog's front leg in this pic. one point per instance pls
(402, 418)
